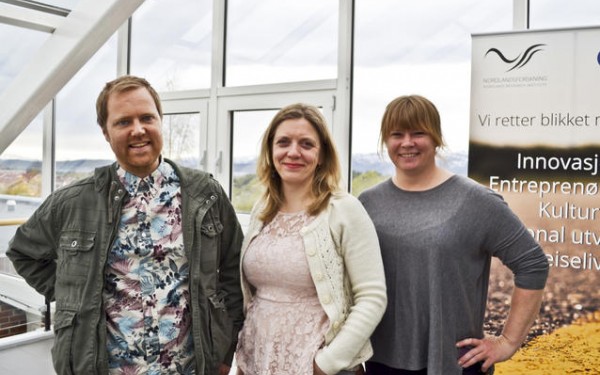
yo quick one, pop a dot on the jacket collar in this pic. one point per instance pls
(192, 180)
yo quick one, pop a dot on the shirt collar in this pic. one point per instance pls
(164, 172)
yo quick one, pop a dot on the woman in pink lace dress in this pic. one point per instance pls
(312, 275)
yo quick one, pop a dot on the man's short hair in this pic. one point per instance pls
(122, 84)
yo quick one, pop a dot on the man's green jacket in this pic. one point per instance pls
(61, 251)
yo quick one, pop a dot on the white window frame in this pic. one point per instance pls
(177, 104)
(268, 97)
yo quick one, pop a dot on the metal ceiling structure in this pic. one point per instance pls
(75, 36)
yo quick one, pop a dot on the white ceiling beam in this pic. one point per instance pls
(72, 44)
(29, 18)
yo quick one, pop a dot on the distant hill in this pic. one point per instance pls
(456, 162)
(81, 165)
(19, 164)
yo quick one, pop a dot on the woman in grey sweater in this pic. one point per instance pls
(438, 233)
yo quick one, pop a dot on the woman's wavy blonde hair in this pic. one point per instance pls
(327, 175)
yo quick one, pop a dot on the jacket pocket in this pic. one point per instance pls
(75, 252)
(220, 326)
(210, 230)
(63, 341)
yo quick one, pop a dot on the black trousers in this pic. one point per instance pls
(374, 368)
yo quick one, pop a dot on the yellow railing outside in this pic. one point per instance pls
(14, 221)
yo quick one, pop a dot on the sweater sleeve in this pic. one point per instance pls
(355, 235)
(508, 239)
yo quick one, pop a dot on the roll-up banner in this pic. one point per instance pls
(535, 139)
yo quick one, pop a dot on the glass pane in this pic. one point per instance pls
(80, 145)
(17, 47)
(415, 57)
(174, 52)
(247, 131)
(181, 138)
(20, 184)
(270, 41)
(21, 163)
(546, 14)
(13, 211)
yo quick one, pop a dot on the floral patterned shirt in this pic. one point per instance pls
(146, 292)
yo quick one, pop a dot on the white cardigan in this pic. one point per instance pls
(345, 264)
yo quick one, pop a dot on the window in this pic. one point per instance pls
(242, 122)
(414, 57)
(174, 52)
(80, 145)
(20, 184)
(271, 41)
(181, 138)
(248, 128)
(21, 163)
(17, 46)
(555, 14)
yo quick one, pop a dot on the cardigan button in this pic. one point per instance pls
(319, 276)
(311, 252)
(327, 299)
(336, 325)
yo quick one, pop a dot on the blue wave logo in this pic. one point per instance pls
(521, 60)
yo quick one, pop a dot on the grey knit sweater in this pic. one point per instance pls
(436, 248)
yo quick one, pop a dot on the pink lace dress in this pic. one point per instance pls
(285, 323)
